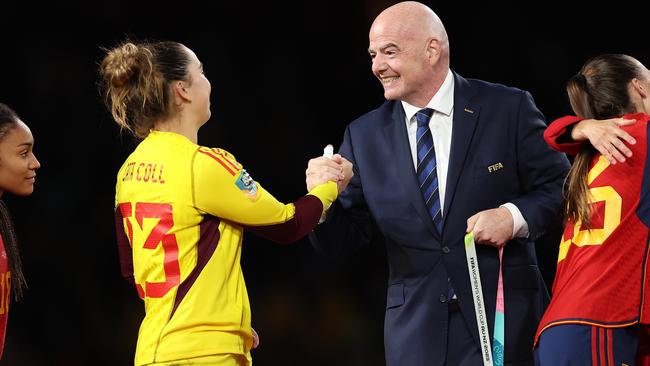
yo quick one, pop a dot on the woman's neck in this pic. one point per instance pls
(177, 125)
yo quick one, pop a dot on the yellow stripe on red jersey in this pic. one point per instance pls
(180, 213)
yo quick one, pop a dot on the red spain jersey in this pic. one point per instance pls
(602, 273)
(5, 290)
(180, 214)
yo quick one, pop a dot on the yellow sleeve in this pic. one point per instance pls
(223, 188)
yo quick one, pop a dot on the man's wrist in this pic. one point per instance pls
(519, 224)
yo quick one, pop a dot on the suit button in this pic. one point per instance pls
(443, 298)
(446, 249)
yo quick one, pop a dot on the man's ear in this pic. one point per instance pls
(181, 90)
(433, 50)
(637, 85)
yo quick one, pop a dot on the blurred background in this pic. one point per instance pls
(304, 69)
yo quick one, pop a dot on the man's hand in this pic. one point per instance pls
(491, 227)
(321, 170)
(606, 136)
(346, 169)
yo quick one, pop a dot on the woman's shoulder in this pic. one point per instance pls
(221, 156)
(216, 151)
(640, 128)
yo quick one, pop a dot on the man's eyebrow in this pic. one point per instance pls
(389, 45)
(384, 47)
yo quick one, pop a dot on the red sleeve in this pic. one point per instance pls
(308, 211)
(557, 129)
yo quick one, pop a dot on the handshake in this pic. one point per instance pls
(328, 167)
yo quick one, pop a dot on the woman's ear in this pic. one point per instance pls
(181, 91)
(637, 85)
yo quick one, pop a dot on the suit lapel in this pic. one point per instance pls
(464, 125)
(397, 135)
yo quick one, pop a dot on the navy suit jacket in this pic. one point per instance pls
(492, 124)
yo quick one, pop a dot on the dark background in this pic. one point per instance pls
(305, 71)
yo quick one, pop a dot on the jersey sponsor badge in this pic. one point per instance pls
(247, 185)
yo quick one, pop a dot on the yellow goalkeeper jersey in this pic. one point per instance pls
(180, 211)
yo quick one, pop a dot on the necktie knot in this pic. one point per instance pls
(423, 116)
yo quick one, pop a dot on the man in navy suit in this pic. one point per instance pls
(492, 173)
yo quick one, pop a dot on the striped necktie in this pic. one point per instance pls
(426, 168)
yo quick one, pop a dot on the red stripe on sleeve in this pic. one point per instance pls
(218, 161)
(216, 151)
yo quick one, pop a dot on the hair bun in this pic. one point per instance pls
(579, 77)
(123, 62)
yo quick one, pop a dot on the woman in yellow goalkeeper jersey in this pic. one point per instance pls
(181, 209)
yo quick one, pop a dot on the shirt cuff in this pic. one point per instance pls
(519, 224)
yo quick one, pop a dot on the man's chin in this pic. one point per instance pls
(390, 95)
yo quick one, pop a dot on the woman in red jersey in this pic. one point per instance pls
(18, 167)
(181, 209)
(599, 308)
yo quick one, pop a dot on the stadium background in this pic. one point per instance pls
(304, 71)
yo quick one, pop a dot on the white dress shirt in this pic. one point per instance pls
(441, 124)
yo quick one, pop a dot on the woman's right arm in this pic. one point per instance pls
(568, 134)
(224, 189)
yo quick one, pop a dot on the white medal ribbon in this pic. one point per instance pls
(477, 295)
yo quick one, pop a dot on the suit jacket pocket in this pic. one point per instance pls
(395, 295)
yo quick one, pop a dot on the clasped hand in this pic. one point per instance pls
(321, 170)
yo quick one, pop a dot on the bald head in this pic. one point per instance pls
(409, 49)
(410, 20)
